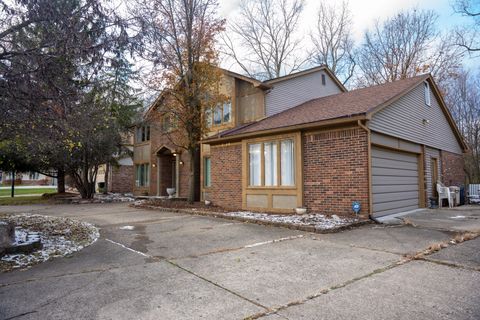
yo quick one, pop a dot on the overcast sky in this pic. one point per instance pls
(365, 12)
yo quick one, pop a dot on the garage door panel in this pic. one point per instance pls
(395, 186)
(395, 210)
(382, 180)
(400, 204)
(392, 188)
(393, 155)
(395, 164)
(395, 172)
(388, 197)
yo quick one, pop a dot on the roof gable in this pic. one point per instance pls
(342, 105)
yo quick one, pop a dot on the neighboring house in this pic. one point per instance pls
(160, 165)
(27, 179)
(120, 175)
(384, 146)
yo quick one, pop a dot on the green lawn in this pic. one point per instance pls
(22, 200)
(40, 190)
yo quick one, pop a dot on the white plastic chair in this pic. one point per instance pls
(444, 193)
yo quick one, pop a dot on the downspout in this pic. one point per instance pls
(369, 173)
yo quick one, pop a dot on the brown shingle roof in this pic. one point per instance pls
(348, 104)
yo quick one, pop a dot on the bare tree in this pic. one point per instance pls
(467, 36)
(180, 42)
(406, 45)
(463, 99)
(263, 41)
(332, 40)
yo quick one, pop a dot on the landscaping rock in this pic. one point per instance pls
(7, 235)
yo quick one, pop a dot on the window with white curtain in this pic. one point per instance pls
(270, 156)
(255, 164)
(287, 160)
(271, 163)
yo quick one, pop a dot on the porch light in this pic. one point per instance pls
(181, 162)
(154, 165)
(174, 154)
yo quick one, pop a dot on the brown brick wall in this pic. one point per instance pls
(335, 171)
(453, 173)
(226, 175)
(157, 140)
(121, 179)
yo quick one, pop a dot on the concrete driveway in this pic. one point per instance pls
(173, 266)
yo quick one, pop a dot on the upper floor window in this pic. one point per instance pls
(427, 93)
(219, 115)
(324, 80)
(142, 134)
(168, 123)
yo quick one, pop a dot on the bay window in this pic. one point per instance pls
(272, 163)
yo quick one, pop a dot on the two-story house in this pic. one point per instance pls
(303, 141)
(160, 165)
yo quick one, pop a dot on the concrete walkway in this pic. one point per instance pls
(173, 266)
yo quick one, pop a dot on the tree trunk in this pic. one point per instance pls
(191, 176)
(12, 193)
(107, 170)
(61, 181)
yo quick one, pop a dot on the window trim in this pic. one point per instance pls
(147, 176)
(278, 142)
(210, 123)
(427, 94)
(205, 159)
(142, 134)
(273, 194)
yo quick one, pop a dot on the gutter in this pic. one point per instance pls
(369, 155)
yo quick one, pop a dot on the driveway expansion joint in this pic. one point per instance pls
(449, 264)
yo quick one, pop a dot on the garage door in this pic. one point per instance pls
(394, 181)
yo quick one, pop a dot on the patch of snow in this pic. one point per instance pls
(59, 236)
(319, 221)
(139, 202)
(458, 217)
(127, 228)
(115, 197)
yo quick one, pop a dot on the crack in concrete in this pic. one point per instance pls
(248, 246)
(216, 284)
(52, 300)
(327, 290)
(448, 264)
(419, 256)
(201, 277)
